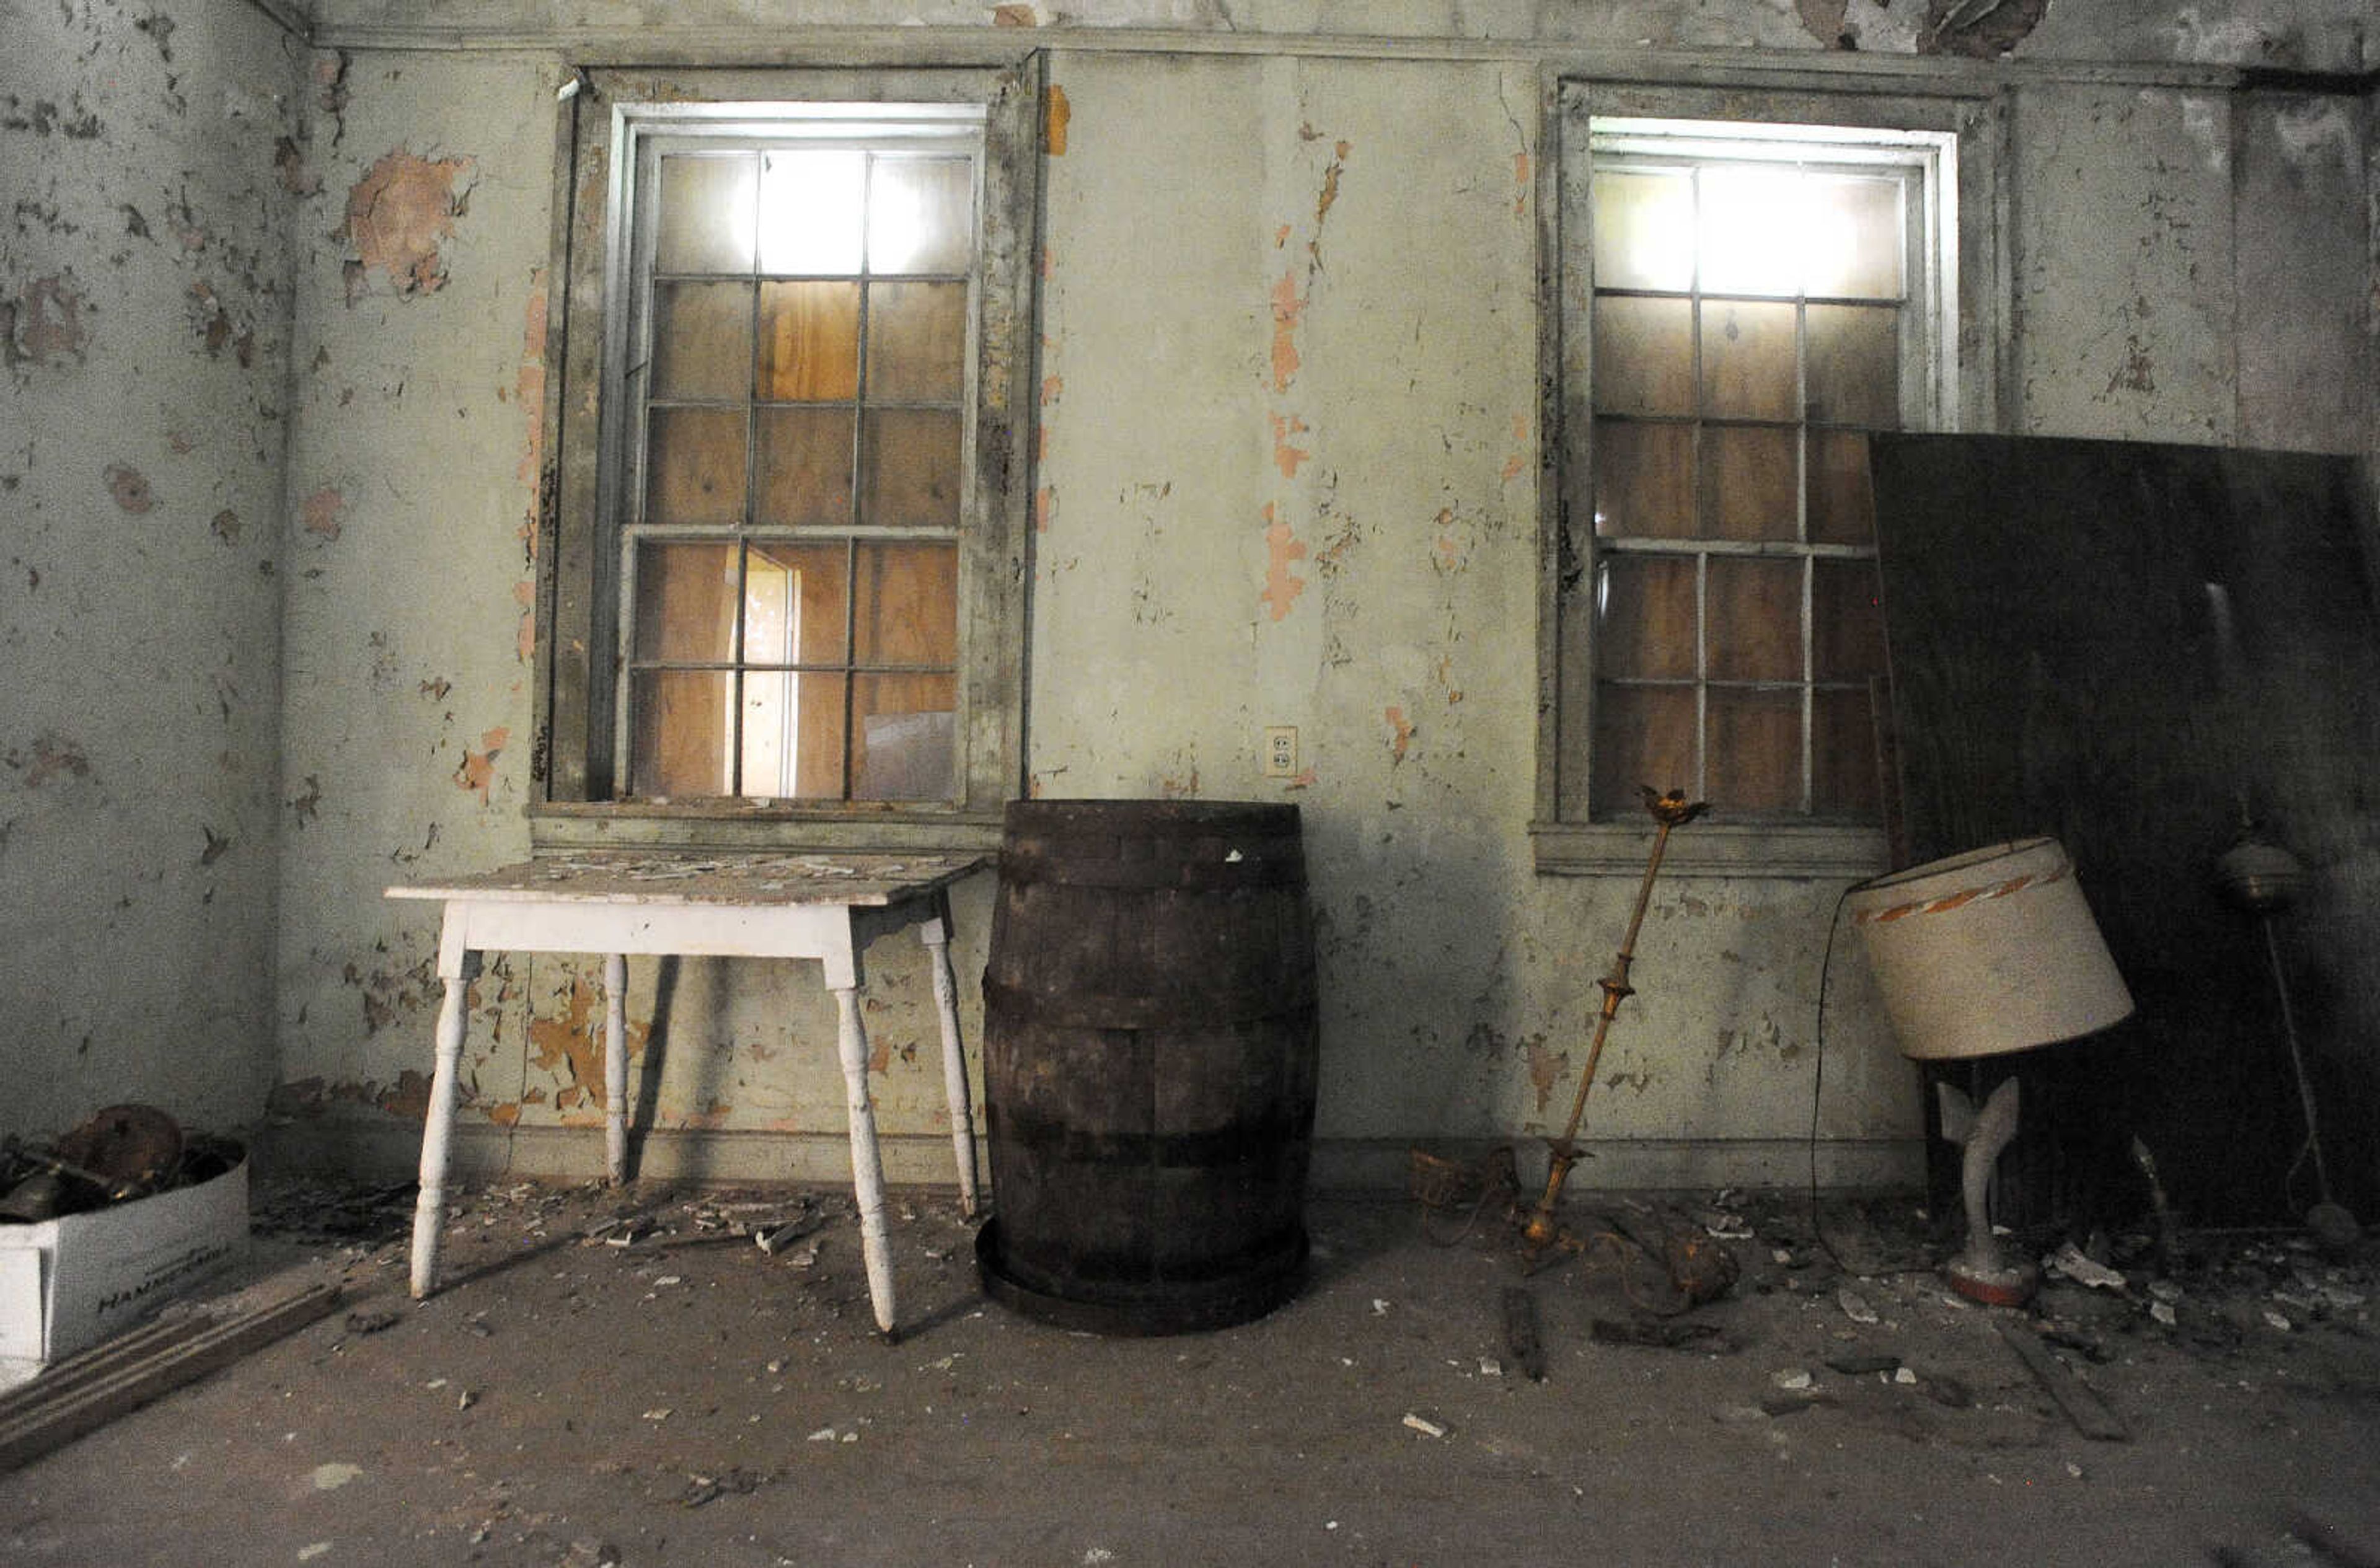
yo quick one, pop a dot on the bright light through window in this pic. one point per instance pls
(809, 211)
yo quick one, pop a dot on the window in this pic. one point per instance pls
(786, 598)
(1743, 303)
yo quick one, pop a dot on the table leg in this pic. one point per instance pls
(459, 967)
(615, 1067)
(936, 934)
(866, 1166)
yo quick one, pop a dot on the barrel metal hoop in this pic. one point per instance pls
(1190, 1008)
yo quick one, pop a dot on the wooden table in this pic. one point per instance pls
(823, 907)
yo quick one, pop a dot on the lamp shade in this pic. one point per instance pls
(1988, 951)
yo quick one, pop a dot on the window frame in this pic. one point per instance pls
(579, 797)
(1968, 390)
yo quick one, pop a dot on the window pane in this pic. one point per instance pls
(809, 210)
(1842, 760)
(909, 469)
(696, 462)
(908, 596)
(705, 218)
(1640, 479)
(1750, 488)
(681, 723)
(805, 467)
(1855, 226)
(907, 740)
(1748, 371)
(1644, 616)
(702, 340)
(1644, 356)
(1842, 502)
(815, 772)
(921, 215)
(1755, 620)
(685, 603)
(809, 342)
(916, 341)
(1644, 230)
(1754, 759)
(1846, 631)
(1754, 229)
(1855, 365)
(794, 603)
(1643, 735)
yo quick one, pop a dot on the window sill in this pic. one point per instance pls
(716, 825)
(1707, 849)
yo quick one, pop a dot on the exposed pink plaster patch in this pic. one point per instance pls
(1330, 183)
(130, 487)
(400, 216)
(1285, 457)
(1288, 308)
(1058, 113)
(47, 320)
(322, 512)
(1307, 779)
(1282, 588)
(1401, 732)
(525, 640)
(1518, 462)
(477, 773)
(1052, 388)
(528, 386)
(1520, 184)
(1044, 508)
(1450, 551)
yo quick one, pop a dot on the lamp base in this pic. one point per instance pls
(1990, 1283)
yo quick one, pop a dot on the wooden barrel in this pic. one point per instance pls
(1149, 1054)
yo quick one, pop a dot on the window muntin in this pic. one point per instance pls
(794, 386)
(1760, 298)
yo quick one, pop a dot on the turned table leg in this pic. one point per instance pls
(936, 934)
(615, 1067)
(867, 1164)
(458, 967)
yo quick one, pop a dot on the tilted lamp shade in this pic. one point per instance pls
(1988, 951)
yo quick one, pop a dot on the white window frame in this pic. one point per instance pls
(580, 763)
(643, 133)
(1955, 142)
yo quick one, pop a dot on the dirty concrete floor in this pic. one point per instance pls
(687, 1398)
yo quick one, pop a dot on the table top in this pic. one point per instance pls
(721, 879)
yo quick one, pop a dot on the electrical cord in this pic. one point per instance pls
(1817, 1088)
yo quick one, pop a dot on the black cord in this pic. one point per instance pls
(1817, 1085)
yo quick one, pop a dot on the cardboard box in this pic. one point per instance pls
(69, 1283)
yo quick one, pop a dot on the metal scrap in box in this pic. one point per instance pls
(71, 1282)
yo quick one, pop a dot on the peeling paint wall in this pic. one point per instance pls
(1288, 347)
(145, 302)
(1288, 404)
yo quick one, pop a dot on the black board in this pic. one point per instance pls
(2127, 645)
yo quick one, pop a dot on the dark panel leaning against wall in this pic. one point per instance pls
(2128, 646)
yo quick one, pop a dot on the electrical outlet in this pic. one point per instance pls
(1280, 751)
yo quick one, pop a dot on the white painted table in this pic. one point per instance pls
(823, 907)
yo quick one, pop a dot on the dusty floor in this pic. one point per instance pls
(689, 1398)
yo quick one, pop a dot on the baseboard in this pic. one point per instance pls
(392, 1151)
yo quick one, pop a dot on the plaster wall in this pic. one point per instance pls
(1289, 474)
(147, 157)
